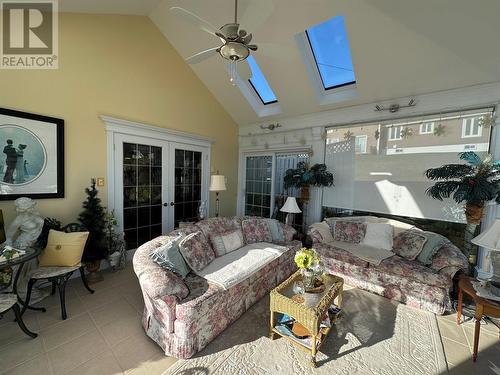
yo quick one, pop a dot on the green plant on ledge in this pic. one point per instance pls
(475, 183)
(303, 177)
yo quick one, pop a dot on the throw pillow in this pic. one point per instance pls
(63, 249)
(379, 235)
(349, 231)
(324, 231)
(449, 255)
(256, 230)
(224, 243)
(169, 257)
(409, 244)
(276, 230)
(432, 245)
(196, 251)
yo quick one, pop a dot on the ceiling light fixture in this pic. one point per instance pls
(393, 108)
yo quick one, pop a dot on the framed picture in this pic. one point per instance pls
(32, 162)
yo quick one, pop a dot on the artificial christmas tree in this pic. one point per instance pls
(93, 219)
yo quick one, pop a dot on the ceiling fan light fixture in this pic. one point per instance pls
(234, 51)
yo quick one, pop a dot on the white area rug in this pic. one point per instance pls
(374, 336)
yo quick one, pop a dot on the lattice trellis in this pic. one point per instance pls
(339, 147)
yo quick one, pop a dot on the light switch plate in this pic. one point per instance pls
(100, 181)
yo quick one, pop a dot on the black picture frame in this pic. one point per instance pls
(56, 157)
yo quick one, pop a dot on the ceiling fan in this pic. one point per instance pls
(235, 46)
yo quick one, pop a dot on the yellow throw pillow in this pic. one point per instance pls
(63, 249)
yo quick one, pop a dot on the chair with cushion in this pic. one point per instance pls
(59, 260)
(9, 301)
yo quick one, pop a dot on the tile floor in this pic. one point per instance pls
(103, 336)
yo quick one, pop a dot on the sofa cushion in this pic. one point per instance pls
(196, 250)
(256, 230)
(432, 245)
(218, 225)
(238, 265)
(409, 244)
(276, 230)
(323, 230)
(413, 270)
(224, 243)
(348, 231)
(288, 232)
(328, 252)
(169, 257)
(449, 256)
(379, 235)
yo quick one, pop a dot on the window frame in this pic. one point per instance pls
(390, 138)
(479, 127)
(365, 137)
(319, 71)
(422, 132)
(260, 97)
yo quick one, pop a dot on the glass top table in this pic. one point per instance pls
(30, 253)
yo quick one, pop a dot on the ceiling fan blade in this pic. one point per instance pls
(203, 55)
(244, 70)
(195, 20)
(256, 13)
(253, 47)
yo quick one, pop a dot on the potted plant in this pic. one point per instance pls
(475, 183)
(93, 218)
(115, 243)
(303, 177)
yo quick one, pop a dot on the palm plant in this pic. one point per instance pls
(474, 183)
(302, 177)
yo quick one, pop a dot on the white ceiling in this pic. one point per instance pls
(399, 48)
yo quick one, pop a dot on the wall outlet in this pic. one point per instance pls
(100, 181)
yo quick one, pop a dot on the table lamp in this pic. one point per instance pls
(490, 239)
(290, 207)
(217, 184)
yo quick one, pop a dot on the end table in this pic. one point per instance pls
(484, 307)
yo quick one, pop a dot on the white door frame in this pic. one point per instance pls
(118, 130)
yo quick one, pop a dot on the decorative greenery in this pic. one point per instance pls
(302, 176)
(476, 182)
(115, 242)
(487, 121)
(439, 130)
(306, 258)
(406, 133)
(377, 134)
(93, 217)
(348, 134)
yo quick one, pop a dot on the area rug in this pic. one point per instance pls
(374, 336)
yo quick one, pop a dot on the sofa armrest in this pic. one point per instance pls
(155, 281)
(449, 256)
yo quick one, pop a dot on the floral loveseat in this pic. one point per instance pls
(183, 316)
(424, 286)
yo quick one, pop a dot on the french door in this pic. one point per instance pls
(158, 184)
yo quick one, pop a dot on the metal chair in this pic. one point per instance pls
(58, 276)
(9, 301)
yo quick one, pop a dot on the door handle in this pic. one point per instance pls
(166, 204)
(172, 203)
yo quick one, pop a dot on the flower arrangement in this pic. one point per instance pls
(306, 259)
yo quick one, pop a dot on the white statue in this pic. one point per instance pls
(26, 227)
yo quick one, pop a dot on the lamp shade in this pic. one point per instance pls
(290, 206)
(489, 239)
(217, 183)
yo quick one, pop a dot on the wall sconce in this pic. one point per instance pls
(270, 126)
(393, 108)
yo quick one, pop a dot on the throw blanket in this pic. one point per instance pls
(369, 254)
(236, 266)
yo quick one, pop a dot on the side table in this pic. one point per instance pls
(483, 307)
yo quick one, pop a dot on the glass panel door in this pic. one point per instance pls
(142, 193)
(258, 176)
(188, 184)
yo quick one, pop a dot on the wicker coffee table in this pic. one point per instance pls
(309, 313)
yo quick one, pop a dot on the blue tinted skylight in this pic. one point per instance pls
(259, 83)
(330, 48)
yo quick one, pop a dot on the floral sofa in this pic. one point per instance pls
(183, 316)
(424, 286)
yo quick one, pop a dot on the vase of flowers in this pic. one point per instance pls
(308, 262)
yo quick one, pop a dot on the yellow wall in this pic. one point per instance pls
(124, 67)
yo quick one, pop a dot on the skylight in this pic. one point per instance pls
(259, 83)
(330, 47)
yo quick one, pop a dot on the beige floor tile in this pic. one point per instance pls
(456, 353)
(156, 365)
(19, 352)
(99, 298)
(76, 352)
(10, 331)
(103, 365)
(486, 341)
(134, 351)
(112, 311)
(74, 308)
(39, 365)
(122, 328)
(452, 331)
(66, 330)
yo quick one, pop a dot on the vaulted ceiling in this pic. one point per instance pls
(399, 48)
